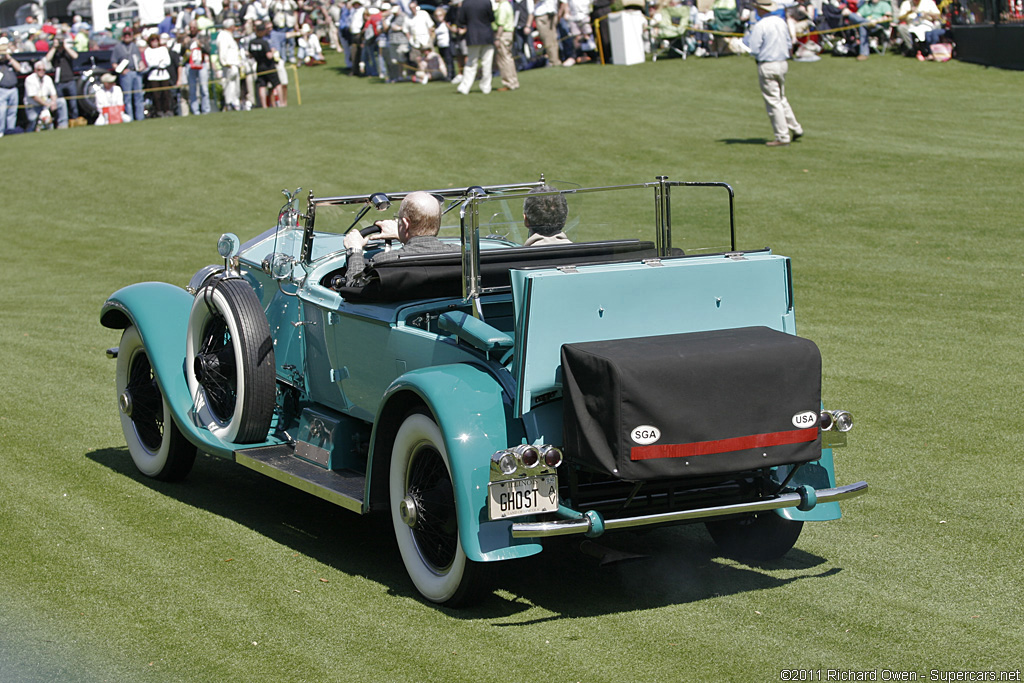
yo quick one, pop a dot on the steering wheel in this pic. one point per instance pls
(372, 230)
(338, 281)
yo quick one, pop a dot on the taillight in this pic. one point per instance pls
(551, 456)
(528, 455)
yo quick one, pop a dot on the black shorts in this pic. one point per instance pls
(268, 80)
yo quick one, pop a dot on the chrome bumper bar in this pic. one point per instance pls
(593, 524)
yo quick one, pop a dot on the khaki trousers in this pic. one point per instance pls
(772, 78)
(503, 59)
(547, 27)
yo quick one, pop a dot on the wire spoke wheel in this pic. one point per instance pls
(147, 414)
(424, 513)
(157, 446)
(215, 367)
(436, 529)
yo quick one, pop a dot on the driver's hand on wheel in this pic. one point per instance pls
(388, 230)
(355, 241)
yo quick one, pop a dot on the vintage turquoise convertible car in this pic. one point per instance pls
(642, 372)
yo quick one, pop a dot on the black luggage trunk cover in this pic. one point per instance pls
(695, 404)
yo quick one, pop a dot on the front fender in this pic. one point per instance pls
(476, 420)
(160, 313)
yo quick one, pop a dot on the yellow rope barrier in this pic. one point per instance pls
(850, 27)
(840, 29)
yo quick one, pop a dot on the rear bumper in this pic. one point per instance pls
(593, 524)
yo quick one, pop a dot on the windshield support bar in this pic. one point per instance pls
(471, 255)
(662, 216)
(307, 229)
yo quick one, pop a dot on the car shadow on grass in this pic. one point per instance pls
(644, 569)
(743, 141)
(571, 578)
(343, 540)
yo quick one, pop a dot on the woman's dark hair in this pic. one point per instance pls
(546, 215)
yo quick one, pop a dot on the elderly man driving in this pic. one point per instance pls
(417, 225)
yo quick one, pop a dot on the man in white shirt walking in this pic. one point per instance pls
(770, 45)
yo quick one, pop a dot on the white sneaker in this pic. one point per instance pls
(457, 80)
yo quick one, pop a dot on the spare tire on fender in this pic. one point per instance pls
(229, 362)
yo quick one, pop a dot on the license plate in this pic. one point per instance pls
(519, 497)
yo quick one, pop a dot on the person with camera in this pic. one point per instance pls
(10, 68)
(62, 55)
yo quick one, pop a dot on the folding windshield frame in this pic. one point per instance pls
(468, 200)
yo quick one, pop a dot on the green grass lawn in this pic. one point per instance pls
(900, 207)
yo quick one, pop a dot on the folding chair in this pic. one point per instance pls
(668, 32)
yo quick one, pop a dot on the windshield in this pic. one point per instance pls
(698, 216)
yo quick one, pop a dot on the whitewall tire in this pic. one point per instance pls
(157, 447)
(423, 511)
(229, 362)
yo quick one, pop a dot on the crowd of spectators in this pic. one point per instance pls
(161, 70)
(842, 27)
(167, 69)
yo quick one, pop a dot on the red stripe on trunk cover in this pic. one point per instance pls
(739, 443)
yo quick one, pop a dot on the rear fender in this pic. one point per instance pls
(160, 313)
(475, 418)
(820, 474)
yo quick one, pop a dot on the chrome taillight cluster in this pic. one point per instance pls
(840, 419)
(526, 457)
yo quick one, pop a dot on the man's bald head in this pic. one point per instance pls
(423, 212)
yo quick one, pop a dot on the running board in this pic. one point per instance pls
(341, 487)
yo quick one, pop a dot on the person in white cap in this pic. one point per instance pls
(230, 61)
(109, 102)
(770, 44)
(310, 51)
